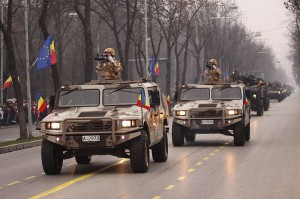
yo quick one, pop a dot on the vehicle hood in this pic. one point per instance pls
(232, 104)
(83, 112)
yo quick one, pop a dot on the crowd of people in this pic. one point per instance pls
(9, 112)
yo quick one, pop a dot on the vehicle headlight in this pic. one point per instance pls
(254, 96)
(180, 113)
(128, 123)
(53, 125)
(278, 92)
(234, 112)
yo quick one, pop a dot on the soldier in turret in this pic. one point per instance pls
(212, 72)
(109, 68)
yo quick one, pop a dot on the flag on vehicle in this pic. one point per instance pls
(40, 103)
(47, 55)
(142, 101)
(245, 100)
(169, 100)
(7, 83)
(156, 69)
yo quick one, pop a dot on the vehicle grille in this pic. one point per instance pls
(206, 113)
(91, 126)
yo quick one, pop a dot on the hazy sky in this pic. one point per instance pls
(269, 17)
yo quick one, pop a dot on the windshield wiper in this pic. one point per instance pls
(188, 89)
(119, 89)
(224, 87)
(69, 91)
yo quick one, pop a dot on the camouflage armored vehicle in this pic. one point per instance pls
(123, 119)
(211, 108)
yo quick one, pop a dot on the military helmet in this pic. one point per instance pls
(110, 51)
(213, 61)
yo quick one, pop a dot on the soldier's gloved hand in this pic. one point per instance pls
(110, 59)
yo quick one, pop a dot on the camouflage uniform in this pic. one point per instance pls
(213, 73)
(109, 68)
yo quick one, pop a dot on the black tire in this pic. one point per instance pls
(160, 150)
(52, 157)
(177, 135)
(260, 108)
(266, 104)
(239, 134)
(83, 159)
(139, 153)
(190, 137)
(247, 132)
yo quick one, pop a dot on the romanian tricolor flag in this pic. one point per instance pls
(245, 100)
(169, 100)
(156, 69)
(142, 101)
(52, 54)
(40, 103)
(7, 83)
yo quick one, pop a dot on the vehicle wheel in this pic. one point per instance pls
(190, 137)
(160, 150)
(139, 153)
(247, 132)
(239, 134)
(52, 157)
(260, 108)
(177, 135)
(83, 159)
(266, 104)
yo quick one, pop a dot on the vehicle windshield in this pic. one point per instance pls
(194, 94)
(125, 96)
(232, 93)
(79, 98)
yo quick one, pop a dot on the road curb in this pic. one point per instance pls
(16, 147)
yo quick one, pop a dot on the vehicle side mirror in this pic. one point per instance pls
(154, 99)
(176, 96)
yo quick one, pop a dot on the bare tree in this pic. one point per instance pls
(11, 61)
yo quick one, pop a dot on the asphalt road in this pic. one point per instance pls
(211, 167)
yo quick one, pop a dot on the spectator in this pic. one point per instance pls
(1, 117)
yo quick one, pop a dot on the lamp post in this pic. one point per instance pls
(146, 38)
(27, 71)
(2, 53)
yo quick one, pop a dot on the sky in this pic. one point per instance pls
(271, 18)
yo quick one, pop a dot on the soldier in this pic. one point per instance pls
(109, 68)
(212, 72)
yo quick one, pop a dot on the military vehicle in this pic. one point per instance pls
(276, 91)
(211, 108)
(123, 119)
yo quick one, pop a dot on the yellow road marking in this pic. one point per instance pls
(156, 197)
(170, 187)
(70, 164)
(199, 163)
(30, 177)
(16, 182)
(62, 186)
(221, 147)
(217, 150)
(1, 187)
(212, 154)
(206, 158)
(191, 170)
(181, 178)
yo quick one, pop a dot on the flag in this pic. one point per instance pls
(7, 83)
(46, 55)
(245, 100)
(52, 54)
(169, 100)
(156, 69)
(142, 101)
(40, 103)
(152, 66)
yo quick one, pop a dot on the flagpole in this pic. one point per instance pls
(146, 37)
(2, 54)
(28, 72)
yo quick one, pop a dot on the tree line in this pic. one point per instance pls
(182, 35)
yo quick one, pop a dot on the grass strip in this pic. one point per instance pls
(19, 141)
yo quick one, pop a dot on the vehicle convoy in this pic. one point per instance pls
(123, 119)
(258, 94)
(211, 108)
(277, 91)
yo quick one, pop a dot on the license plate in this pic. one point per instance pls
(207, 122)
(91, 138)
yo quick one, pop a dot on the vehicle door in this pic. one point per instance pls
(156, 111)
